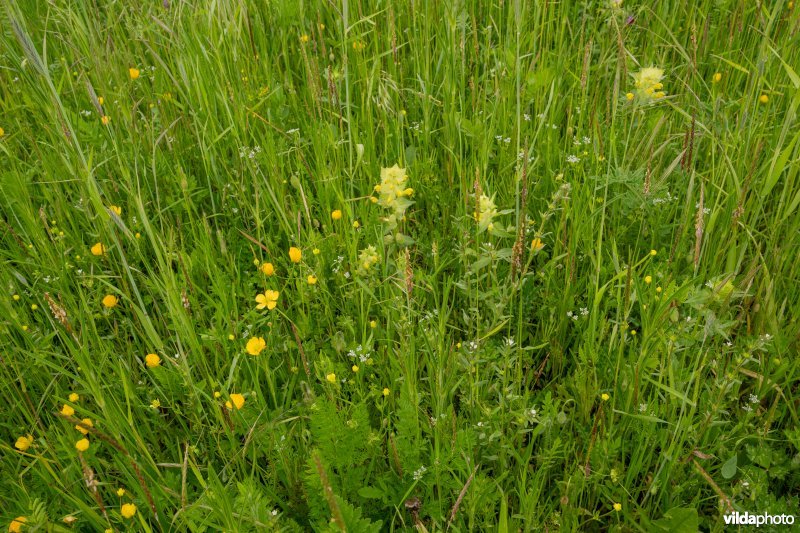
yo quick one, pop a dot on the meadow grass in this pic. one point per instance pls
(571, 305)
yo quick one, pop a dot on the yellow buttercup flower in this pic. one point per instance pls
(85, 422)
(304, 38)
(74, 397)
(67, 410)
(331, 377)
(269, 300)
(98, 249)
(268, 269)
(373, 324)
(618, 507)
(763, 98)
(717, 77)
(120, 492)
(312, 280)
(255, 345)
(152, 360)
(117, 209)
(155, 404)
(536, 245)
(109, 300)
(2, 132)
(105, 120)
(82, 445)
(386, 391)
(629, 96)
(24, 442)
(295, 254)
(336, 214)
(238, 401)
(605, 397)
(127, 510)
(133, 73)
(354, 368)
(16, 525)
(101, 100)
(648, 279)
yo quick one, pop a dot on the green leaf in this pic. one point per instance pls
(729, 468)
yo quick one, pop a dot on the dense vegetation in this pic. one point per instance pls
(470, 265)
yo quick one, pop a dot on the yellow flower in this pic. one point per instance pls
(16, 297)
(367, 258)
(120, 492)
(331, 377)
(217, 394)
(155, 404)
(629, 96)
(67, 410)
(354, 368)
(312, 280)
(373, 324)
(536, 245)
(237, 399)
(255, 345)
(321, 26)
(336, 214)
(82, 445)
(486, 212)
(268, 269)
(85, 422)
(117, 209)
(105, 120)
(16, 525)
(617, 507)
(605, 397)
(100, 100)
(74, 397)
(109, 300)
(648, 81)
(648, 279)
(34, 307)
(23, 443)
(304, 38)
(98, 249)
(633, 332)
(356, 224)
(269, 300)
(295, 254)
(763, 98)
(127, 510)
(315, 251)
(152, 360)
(2, 132)
(717, 76)
(386, 391)
(653, 252)
(133, 73)
(658, 289)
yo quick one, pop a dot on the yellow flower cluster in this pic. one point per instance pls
(392, 191)
(367, 258)
(486, 212)
(648, 83)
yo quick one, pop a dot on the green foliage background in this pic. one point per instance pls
(499, 386)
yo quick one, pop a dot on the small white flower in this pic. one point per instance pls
(573, 159)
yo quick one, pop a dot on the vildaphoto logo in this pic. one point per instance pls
(764, 519)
